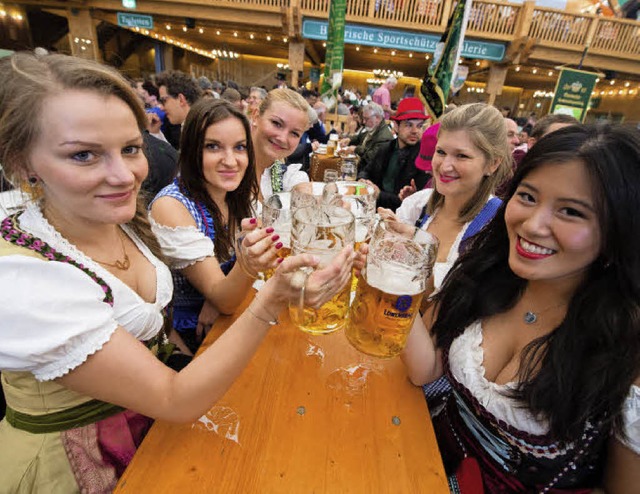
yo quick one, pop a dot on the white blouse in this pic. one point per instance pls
(183, 245)
(409, 212)
(466, 357)
(53, 314)
(292, 177)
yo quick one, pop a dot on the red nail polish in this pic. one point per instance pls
(275, 237)
(280, 259)
(270, 230)
(253, 221)
(279, 245)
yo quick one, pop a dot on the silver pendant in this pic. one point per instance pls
(530, 317)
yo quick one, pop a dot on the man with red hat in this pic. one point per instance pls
(393, 166)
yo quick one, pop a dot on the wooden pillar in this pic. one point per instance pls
(497, 76)
(296, 60)
(83, 38)
(525, 18)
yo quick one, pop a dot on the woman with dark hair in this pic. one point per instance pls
(537, 327)
(196, 218)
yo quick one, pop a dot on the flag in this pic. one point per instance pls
(439, 74)
(334, 58)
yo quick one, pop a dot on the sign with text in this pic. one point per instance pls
(401, 40)
(573, 92)
(126, 19)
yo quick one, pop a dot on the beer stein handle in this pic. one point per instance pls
(296, 307)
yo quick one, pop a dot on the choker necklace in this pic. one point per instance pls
(121, 265)
(531, 317)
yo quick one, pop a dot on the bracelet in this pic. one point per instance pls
(274, 322)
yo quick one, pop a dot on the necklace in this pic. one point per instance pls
(121, 265)
(531, 317)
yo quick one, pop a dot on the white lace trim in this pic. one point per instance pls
(631, 420)
(183, 245)
(77, 351)
(466, 358)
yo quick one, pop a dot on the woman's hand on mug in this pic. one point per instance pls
(256, 248)
(360, 260)
(319, 286)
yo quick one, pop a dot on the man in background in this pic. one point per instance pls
(366, 144)
(382, 96)
(178, 92)
(393, 166)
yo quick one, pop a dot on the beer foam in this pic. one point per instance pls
(394, 279)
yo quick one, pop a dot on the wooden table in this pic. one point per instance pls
(308, 415)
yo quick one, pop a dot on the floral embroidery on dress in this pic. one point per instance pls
(11, 232)
(278, 170)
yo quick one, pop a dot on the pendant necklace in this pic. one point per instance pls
(531, 317)
(123, 264)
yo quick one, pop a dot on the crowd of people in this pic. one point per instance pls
(140, 193)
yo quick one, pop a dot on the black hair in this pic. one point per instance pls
(177, 83)
(583, 369)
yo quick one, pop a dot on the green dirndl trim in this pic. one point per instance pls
(79, 416)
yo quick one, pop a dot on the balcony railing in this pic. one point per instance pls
(493, 19)
(617, 36)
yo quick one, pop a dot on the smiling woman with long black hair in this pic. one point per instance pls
(537, 327)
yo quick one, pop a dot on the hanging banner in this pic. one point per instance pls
(334, 58)
(438, 77)
(573, 92)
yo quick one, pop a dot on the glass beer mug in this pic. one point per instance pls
(390, 289)
(322, 230)
(276, 213)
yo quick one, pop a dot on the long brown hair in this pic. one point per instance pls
(201, 116)
(26, 81)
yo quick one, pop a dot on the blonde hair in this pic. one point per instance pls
(27, 80)
(289, 97)
(485, 126)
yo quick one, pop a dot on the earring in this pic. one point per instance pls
(33, 187)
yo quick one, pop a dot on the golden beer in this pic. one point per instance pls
(328, 318)
(387, 301)
(284, 252)
(322, 231)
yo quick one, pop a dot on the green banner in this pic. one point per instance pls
(334, 57)
(573, 92)
(437, 79)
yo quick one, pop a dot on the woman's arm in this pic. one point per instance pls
(420, 356)
(125, 373)
(225, 293)
(622, 475)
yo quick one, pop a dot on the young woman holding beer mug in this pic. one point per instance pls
(196, 218)
(472, 157)
(537, 327)
(83, 287)
(276, 129)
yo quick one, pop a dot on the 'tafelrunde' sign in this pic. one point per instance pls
(401, 40)
(126, 19)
